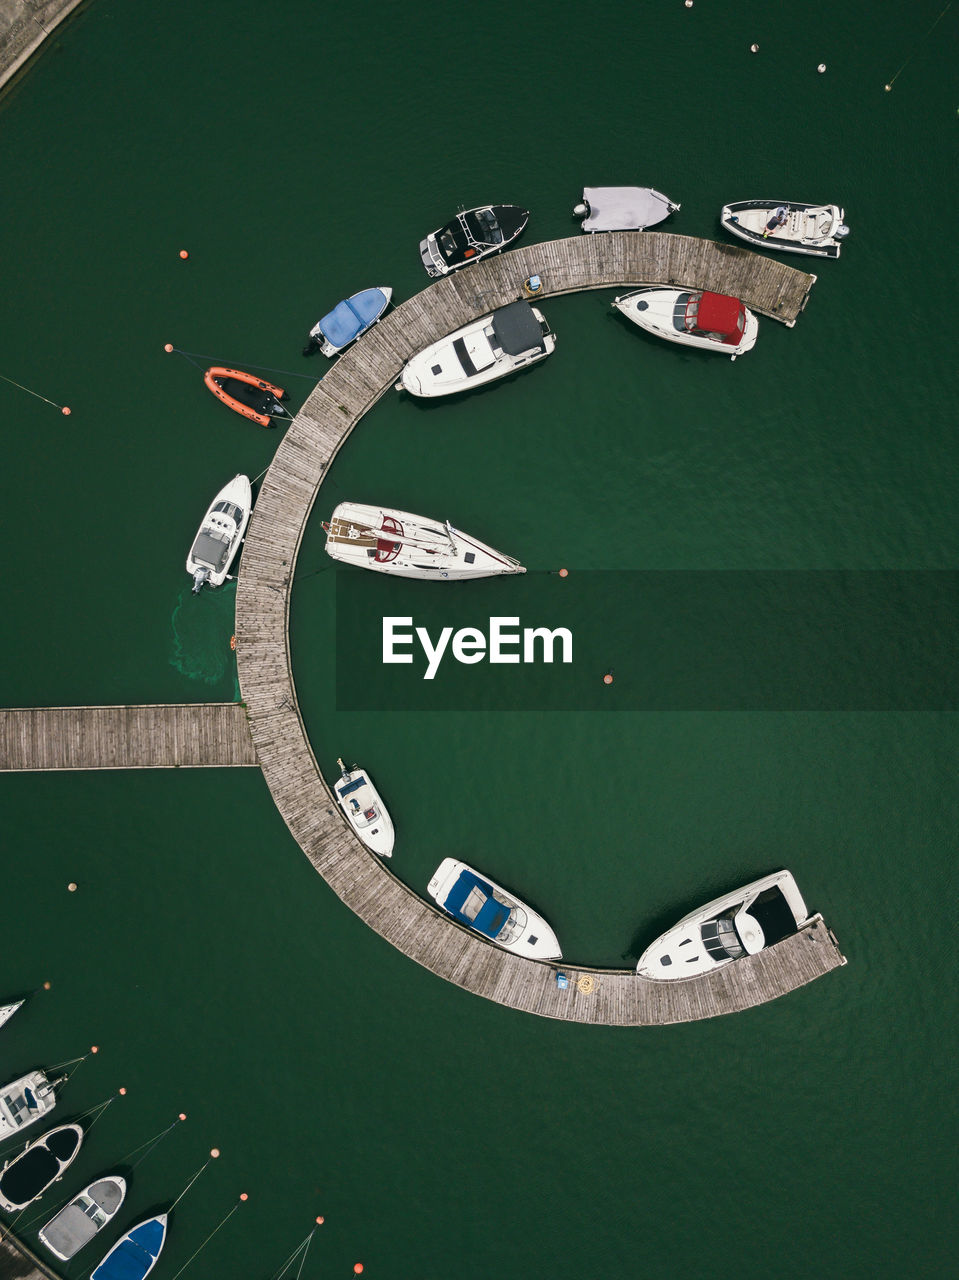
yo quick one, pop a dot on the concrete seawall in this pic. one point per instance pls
(24, 25)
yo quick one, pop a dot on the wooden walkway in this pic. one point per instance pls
(17, 1262)
(348, 389)
(150, 737)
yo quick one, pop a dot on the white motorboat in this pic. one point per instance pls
(24, 1101)
(623, 208)
(43, 1161)
(738, 924)
(365, 811)
(8, 1010)
(473, 234)
(508, 339)
(134, 1255)
(411, 546)
(348, 321)
(220, 533)
(787, 225)
(481, 905)
(78, 1222)
(692, 317)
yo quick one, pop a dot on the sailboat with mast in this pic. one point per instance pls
(410, 546)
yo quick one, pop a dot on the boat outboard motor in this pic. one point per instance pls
(199, 577)
(841, 231)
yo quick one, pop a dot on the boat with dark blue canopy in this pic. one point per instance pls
(135, 1254)
(481, 905)
(347, 321)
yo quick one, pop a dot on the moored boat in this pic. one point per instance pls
(87, 1213)
(134, 1255)
(348, 321)
(472, 235)
(738, 924)
(24, 1101)
(483, 906)
(787, 225)
(253, 397)
(8, 1010)
(506, 340)
(43, 1161)
(623, 208)
(410, 546)
(364, 809)
(692, 317)
(220, 533)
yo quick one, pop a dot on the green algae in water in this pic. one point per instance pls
(202, 627)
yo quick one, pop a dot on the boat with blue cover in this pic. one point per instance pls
(481, 905)
(348, 321)
(134, 1255)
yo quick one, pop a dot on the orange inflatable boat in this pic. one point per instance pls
(254, 398)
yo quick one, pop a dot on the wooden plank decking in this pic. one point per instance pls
(193, 735)
(365, 884)
(17, 1262)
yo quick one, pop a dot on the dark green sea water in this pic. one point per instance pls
(299, 151)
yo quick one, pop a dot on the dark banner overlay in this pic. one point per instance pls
(670, 640)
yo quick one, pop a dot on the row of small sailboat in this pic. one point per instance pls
(43, 1161)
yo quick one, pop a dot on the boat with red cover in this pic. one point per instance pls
(243, 393)
(693, 317)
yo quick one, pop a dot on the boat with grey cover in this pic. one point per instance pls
(623, 208)
(78, 1222)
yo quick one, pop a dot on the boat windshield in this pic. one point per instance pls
(721, 939)
(483, 226)
(229, 509)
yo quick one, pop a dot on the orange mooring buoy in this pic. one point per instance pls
(608, 678)
(184, 254)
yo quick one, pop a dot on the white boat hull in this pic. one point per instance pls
(410, 546)
(518, 928)
(220, 533)
(656, 309)
(473, 357)
(52, 1164)
(813, 229)
(365, 811)
(23, 1102)
(87, 1213)
(8, 1010)
(726, 929)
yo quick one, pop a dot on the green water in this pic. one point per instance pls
(299, 153)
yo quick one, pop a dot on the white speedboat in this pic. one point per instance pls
(473, 234)
(508, 339)
(78, 1222)
(480, 904)
(692, 317)
(348, 321)
(623, 208)
(8, 1010)
(134, 1255)
(24, 1101)
(28, 1175)
(365, 811)
(788, 225)
(220, 533)
(411, 546)
(736, 925)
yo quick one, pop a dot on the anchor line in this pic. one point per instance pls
(207, 1240)
(263, 368)
(303, 1247)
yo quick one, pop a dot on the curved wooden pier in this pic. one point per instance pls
(363, 882)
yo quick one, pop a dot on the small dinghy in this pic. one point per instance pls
(348, 321)
(483, 906)
(27, 1176)
(623, 208)
(8, 1010)
(78, 1222)
(365, 811)
(788, 225)
(243, 393)
(134, 1255)
(411, 546)
(24, 1101)
(220, 533)
(473, 234)
(692, 317)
